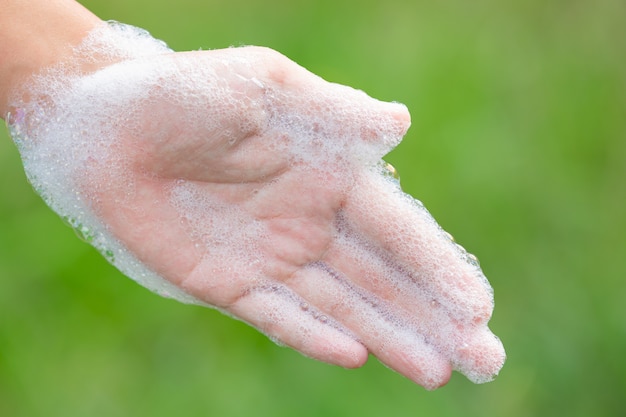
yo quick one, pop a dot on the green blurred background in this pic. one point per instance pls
(518, 148)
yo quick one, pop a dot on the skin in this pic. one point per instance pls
(344, 259)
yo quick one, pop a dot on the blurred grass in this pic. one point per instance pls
(518, 148)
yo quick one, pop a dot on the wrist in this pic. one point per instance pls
(35, 34)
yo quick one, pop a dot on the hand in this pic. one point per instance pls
(256, 187)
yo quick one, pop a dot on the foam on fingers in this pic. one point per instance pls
(412, 239)
(288, 319)
(376, 324)
(481, 357)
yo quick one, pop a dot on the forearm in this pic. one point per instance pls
(35, 34)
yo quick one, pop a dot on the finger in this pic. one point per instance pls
(288, 319)
(333, 120)
(409, 238)
(471, 348)
(366, 269)
(385, 334)
(481, 357)
(302, 103)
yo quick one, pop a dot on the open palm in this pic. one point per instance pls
(256, 187)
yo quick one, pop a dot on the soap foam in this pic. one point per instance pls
(58, 139)
(73, 125)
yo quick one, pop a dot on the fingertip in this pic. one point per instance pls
(419, 363)
(436, 375)
(481, 359)
(397, 123)
(440, 379)
(354, 356)
(333, 346)
(400, 113)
